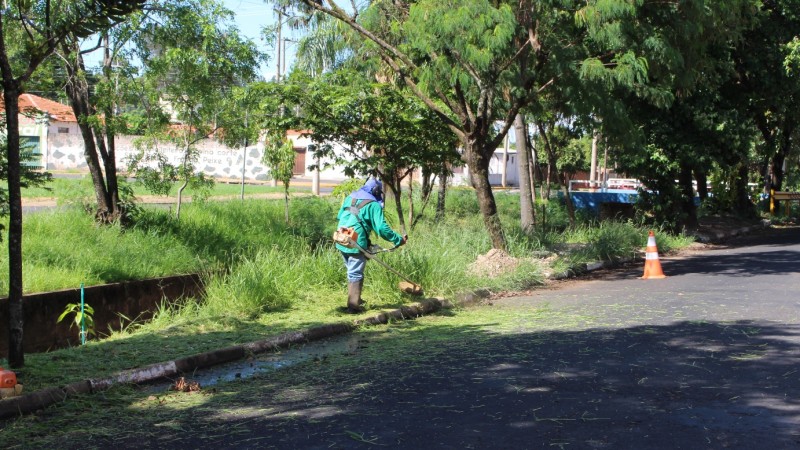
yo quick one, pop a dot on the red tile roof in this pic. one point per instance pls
(33, 103)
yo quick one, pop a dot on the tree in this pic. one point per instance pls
(328, 45)
(565, 146)
(97, 105)
(45, 26)
(240, 114)
(99, 152)
(192, 60)
(279, 157)
(475, 63)
(383, 131)
(332, 46)
(766, 82)
(527, 215)
(271, 109)
(662, 131)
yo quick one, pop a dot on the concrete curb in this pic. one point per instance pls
(581, 269)
(27, 403)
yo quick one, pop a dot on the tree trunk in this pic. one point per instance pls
(779, 160)
(112, 183)
(527, 215)
(108, 149)
(395, 187)
(702, 184)
(16, 355)
(776, 172)
(440, 201)
(426, 183)
(550, 160)
(742, 203)
(286, 202)
(187, 149)
(687, 198)
(547, 182)
(410, 197)
(77, 89)
(533, 168)
(773, 175)
(552, 163)
(180, 199)
(563, 180)
(479, 174)
(427, 180)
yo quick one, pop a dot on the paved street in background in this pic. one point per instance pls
(301, 185)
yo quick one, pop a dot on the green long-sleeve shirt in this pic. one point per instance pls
(372, 216)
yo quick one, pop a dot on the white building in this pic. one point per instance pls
(50, 131)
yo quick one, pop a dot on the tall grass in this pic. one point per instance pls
(265, 276)
(272, 281)
(268, 263)
(64, 248)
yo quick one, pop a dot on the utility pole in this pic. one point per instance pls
(315, 175)
(279, 45)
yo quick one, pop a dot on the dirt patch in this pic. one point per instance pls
(716, 228)
(493, 264)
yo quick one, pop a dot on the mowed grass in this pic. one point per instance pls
(265, 276)
(129, 413)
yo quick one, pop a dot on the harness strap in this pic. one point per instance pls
(356, 210)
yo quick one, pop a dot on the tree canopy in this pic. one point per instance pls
(45, 25)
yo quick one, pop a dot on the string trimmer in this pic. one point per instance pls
(346, 237)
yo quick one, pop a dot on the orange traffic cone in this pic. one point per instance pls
(652, 266)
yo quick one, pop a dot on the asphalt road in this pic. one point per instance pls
(707, 358)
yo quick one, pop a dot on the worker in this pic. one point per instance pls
(363, 211)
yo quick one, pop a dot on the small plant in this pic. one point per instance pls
(82, 319)
(347, 187)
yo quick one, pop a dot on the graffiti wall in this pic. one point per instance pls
(65, 152)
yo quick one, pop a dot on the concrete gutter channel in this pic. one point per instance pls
(28, 403)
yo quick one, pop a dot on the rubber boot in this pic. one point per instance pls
(354, 301)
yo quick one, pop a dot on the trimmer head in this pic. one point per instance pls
(410, 288)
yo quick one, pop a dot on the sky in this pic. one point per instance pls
(251, 16)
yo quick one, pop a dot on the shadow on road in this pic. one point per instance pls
(686, 385)
(766, 262)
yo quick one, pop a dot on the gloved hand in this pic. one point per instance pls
(405, 239)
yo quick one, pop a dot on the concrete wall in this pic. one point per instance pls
(461, 177)
(65, 152)
(64, 148)
(134, 299)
